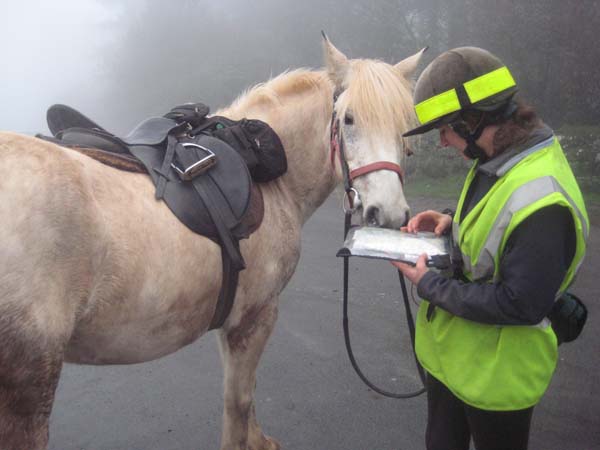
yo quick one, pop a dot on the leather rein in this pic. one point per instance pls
(354, 202)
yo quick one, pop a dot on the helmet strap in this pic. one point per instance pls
(474, 151)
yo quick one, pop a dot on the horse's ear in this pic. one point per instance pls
(408, 66)
(336, 62)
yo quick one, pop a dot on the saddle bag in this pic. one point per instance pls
(255, 141)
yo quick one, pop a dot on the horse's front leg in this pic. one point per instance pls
(241, 346)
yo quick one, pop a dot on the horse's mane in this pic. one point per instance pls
(379, 98)
(270, 92)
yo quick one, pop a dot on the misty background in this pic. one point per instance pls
(120, 62)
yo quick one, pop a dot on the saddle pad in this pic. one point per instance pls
(229, 182)
(118, 161)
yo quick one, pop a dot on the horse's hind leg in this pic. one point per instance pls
(29, 372)
(241, 348)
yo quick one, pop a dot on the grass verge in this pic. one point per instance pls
(446, 188)
(450, 187)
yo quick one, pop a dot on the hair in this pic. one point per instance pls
(517, 128)
(379, 97)
(512, 130)
(271, 91)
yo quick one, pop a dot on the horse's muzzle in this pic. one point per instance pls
(374, 217)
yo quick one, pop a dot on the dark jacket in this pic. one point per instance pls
(534, 263)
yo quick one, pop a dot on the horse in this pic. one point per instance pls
(94, 270)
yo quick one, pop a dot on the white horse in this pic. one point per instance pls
(94, 270)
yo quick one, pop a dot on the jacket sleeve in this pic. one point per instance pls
(532, 267)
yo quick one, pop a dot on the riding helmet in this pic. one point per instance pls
(457, 80)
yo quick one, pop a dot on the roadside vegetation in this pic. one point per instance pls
(439, 172)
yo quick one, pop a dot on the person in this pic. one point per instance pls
(482, 334)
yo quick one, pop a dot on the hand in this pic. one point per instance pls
(413, 273)
(429, 221)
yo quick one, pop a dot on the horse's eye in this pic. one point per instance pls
(348, 119)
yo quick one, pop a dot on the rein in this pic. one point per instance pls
(337, 146)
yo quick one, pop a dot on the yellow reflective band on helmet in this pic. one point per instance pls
(477, 89)
(437, 106)
(489, 84)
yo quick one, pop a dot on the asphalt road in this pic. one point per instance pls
(307, 394)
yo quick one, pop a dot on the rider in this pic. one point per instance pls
(483, 334)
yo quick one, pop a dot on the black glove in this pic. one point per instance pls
(568, 317)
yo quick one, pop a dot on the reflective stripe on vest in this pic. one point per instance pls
(521, 197)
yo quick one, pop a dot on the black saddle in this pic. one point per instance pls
(203, 180)
(203, 177)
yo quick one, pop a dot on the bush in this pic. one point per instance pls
(431, 161)
(581, 144)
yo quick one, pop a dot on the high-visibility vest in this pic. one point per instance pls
(497, 367)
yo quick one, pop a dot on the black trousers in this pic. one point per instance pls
(451, 423)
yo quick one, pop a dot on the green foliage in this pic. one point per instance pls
(437, 172)
(581, 144)
(448, 187)
(430, 160)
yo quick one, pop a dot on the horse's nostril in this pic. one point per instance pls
(406, 218)
(372, 216)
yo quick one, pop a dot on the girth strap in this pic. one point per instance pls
(161, 184)
(208, 190)
(227, 292)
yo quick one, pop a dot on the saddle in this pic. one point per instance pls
(204, 180)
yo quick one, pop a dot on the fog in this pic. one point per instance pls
(121, 62)
(52, 52)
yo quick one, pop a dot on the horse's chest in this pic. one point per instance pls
(272, 254)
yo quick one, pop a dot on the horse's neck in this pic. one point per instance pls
(302, 123)
(304, 130)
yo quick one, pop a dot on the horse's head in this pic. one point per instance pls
(373, 107)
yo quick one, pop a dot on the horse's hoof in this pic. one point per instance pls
(272, 444)
(268, 443)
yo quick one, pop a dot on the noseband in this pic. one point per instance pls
(337, 146)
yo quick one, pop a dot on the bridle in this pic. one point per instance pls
(354, 202)
(337, 146)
